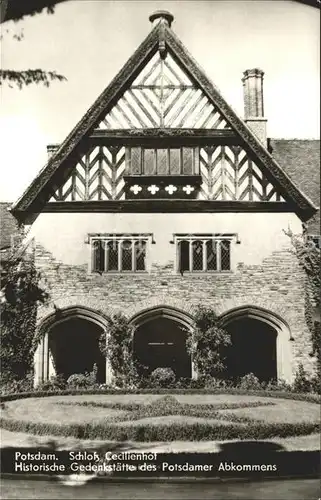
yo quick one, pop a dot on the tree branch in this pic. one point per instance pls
(24, 78)
(15, 10)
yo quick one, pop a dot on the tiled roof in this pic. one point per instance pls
(300, 159)
(8, 226)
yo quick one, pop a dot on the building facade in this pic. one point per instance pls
(162, 199)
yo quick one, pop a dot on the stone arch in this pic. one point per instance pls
(283, 334)
(159, 339)
(44, 360)
(66, 313)
(183, 317)
(260, 305)
(160, 301)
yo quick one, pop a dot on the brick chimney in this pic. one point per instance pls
(51, 149)
(253, 102)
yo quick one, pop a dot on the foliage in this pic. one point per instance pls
(278, 385)
(249, 381)
(28, 77)
(301, 382)
(216, 383)
(11, 386)
(208, 344)
(83, 380)
(119, 350)
(78, 381)
(315, 383)
(162, 377)
(170, 402)
(16, 10)
(309, 258)
(20, 295)
(55, 383)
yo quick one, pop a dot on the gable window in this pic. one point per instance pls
(119, 253)
(203, 253)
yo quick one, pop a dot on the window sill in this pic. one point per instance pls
(118, 273)
(205, 273)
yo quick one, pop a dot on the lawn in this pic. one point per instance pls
(151, 417)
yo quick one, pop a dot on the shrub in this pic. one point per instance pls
(249, 381)
(278, 385)
(11, 386)
(190, 383)
(162, 377)
(79, 380)
(301, 382)
(316, 384)
(183, 383)
(55, 383)
(84, 380)
(215, 383)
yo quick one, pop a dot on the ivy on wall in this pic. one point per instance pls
(308, 255)
(117, 346)
(208, 344)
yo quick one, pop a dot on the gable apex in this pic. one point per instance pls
(163, 41)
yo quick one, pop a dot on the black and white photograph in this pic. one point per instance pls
(160, 249)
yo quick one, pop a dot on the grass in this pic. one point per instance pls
(147, 417)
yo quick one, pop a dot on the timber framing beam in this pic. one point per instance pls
(166, 206)
(167, 136)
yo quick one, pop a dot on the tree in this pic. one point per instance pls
(21, 292)
(16, 10)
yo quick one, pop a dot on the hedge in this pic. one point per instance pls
(183, 406)
(170, 406)
(310, 398)
(175, 432)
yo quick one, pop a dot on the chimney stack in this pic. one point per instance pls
(51, 149)
(253, 102)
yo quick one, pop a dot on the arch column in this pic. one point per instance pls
(109, 371)
(283, 357)
(43, 362)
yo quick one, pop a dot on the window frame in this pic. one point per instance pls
(119, 239)
(191, 238)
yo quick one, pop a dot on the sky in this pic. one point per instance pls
(88, 41)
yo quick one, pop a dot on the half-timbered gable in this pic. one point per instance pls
(162, 131)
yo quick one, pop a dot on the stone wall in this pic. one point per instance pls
(276, 285)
